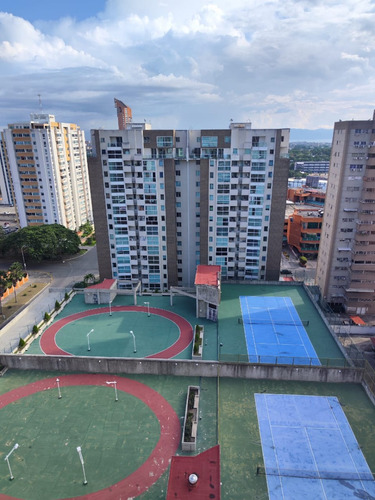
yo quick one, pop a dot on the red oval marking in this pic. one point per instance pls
(158, 461)
(48, 338)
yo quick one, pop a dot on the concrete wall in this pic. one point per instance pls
(181, 368)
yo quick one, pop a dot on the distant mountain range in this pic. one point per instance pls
(306, 135)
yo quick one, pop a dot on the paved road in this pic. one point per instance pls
(60, 276)
(306, 274)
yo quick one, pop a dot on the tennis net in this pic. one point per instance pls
(316, 474)
(271, 322)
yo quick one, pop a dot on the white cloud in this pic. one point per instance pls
(296, 63)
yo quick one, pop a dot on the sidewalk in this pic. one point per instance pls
(33, 300)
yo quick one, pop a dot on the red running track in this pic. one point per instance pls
(158, 461)
(48, 338)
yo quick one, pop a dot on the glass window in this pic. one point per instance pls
(164, 141)
(209, 141)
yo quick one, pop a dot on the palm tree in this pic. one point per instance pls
(15, 275)
(5, 283)
(89, 278)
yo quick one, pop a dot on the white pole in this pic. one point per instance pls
(132, 334)
(79, 449)
(115, 385)
(88, 340)
(7, 460)
(58, 387)
(148, 308)
(110, 311)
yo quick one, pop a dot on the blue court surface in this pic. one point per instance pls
(274, 332)
(309, 450)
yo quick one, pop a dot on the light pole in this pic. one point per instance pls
(23, 256)
(132, 334)
(110, 310)
(115, 385)
(148, 308)
(88, 340)
(79, 449)
(7, 460)
(58, 387)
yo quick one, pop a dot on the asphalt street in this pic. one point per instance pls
(61, 276)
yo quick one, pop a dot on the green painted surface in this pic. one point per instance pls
(239, 436)
(116, 437)
(112, 338)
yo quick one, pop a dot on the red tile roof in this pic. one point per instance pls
(206, 466)
(207, 275)
(106, 284)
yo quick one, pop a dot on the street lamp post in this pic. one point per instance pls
(88, 340)
(58, 387)
(115, 385)
(110, 310)
(132, 334)
(148, 308)
(23, 257)
(79, 449)
(7, 460)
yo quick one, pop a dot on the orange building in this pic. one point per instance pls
(124, 114)
(304, 228)
(307, 195)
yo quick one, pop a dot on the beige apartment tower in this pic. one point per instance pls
(346, 263)
(45, 172)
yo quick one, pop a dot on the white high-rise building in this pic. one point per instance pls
(45, 172)
(167, 200)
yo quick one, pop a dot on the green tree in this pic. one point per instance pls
(46, 242)
(89, 278)
(86, 228)
(15, 275)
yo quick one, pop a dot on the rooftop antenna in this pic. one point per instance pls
(40, 102)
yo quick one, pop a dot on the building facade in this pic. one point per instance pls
(45, 172)
(165, 201)
(304, 229)
(346, 263)
(312, 166)
(124, 114)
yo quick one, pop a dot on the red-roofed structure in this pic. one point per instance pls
(101, 293)
(106, 284)
(208, 275)
(203, 468)
(208, 291)
(357, 320)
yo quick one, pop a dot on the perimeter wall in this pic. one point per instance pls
(182, 368)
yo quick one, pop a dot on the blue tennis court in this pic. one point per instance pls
(275, 333)
(309, 450)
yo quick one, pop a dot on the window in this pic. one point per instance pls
(209, 141)
(164, 141)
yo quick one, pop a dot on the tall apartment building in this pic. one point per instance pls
(167, 200)
(346, 263)
(45, 172)
(124, 114)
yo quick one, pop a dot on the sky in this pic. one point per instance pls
(299, 64)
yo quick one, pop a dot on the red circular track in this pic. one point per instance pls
(158, 461)
(49, 346)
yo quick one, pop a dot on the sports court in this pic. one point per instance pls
(111, 333)
(309, 449)
(274, 332)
